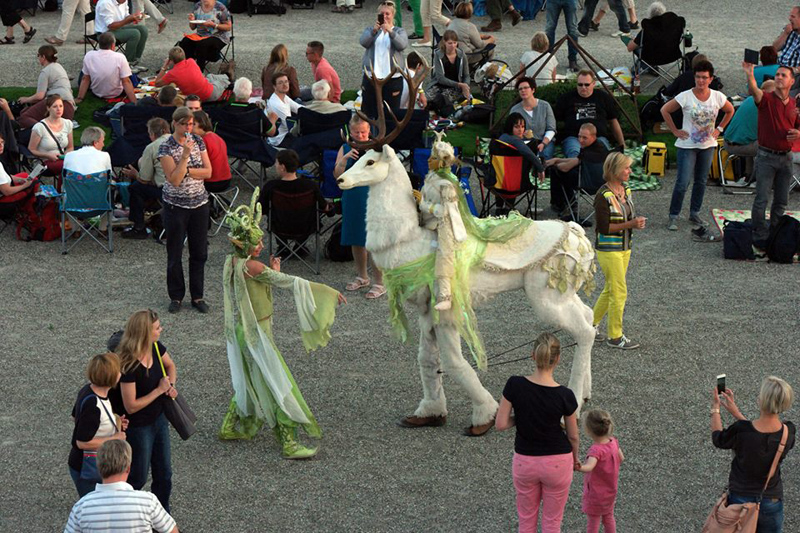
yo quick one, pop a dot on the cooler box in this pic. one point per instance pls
(720, 161)
(655, 158)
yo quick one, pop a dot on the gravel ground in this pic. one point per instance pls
(695, 314)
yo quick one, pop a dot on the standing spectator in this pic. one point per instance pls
(186, 74)
(540, 120)
(282, 107)
(68, 8)
(147, 181)
(570, 9)
(10, 18)
(100, 511)
(112, 15)
(322, 70)
(777, 129)
(788, 42)
(53, 80)
(51, 137)
(696, 140)
(601, 481)
(619, 10)
(450, 76)
(152, 10)
(754, 446)
(616, 219)
(470, 40)
(384, 44)
(539, 45)
(583, 105)
(95, 421)
(106, 72)
(90, 158)
(431, 13)
(629, 5)
(279, 62)
(186, 166)
(220, 178)
(496, 9)
(212, 25)
(769, 64)
(741, 138)
(544, 454)
(144, 387)
(354, 215)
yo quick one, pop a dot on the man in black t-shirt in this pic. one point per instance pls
(585, 105)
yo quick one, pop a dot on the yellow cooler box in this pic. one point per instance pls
(720, 161)
(655, 158)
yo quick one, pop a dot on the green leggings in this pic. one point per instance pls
(135, 38)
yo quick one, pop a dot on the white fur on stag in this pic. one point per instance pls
(550, 261)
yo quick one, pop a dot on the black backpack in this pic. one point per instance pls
(737, 240)
(334, 249)
(784, 240)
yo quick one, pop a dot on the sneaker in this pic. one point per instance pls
(634, 25)
(200, 305)
(138, 68)
(623, 343)
(422, 44)
(673, 224)
(599, 336)
(594, 26)
(516, 18)
(696, 220)
(620, 33)
(414, 36)
(174, 306)
(758, 252)
(133, 233)
(583, 30)
(573, 65)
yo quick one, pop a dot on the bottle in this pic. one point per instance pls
(636, 84)
(687, 40)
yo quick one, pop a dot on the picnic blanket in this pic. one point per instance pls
(738, 215)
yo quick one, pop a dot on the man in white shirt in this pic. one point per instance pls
(283, 106)
(114, 505)
(91, 158)
(106, 72)
(113, 16)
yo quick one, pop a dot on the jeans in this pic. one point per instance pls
(771, 171)
(135, 38)
(594, 520)
(151, 450)
(693, 163)
(496, 8)
(572, 147)
(84, 486)
(570, 9)
(615, 5)
(615, 291)
(770, 514)
(541, 480)
(140, 193)
(179, 224)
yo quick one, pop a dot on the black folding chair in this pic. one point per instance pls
(243, 132)
(90, 39)
(305, 216)
(228, 49)
(318, 132)
(661, 47)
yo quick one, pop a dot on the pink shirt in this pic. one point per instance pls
(324, 71)
(600, 485)
(106, 69)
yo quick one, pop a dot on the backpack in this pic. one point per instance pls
(334, 249)
(238, 6)
(784, 240)
(50, 5)
(651, 110)
(37, 220)
(737, 240)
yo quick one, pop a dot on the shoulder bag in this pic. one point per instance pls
(177, 411)
(741, 517)
(89, 469)
(60, 149)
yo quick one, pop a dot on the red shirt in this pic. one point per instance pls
(324, 71)
(189, 79)
(775, 119)
(218, 155)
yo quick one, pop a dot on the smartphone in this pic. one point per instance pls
(380, 18)
(750, 56)
(721, 383)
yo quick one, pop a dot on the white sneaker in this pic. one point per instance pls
(421, 44)
(620, 33)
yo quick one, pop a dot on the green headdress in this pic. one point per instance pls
(244, 222)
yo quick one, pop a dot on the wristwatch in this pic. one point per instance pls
(720, 129)
(715, 411)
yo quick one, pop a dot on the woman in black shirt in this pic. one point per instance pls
(754, 445)
(544, 456)
(144, 389)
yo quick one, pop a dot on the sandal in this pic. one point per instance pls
(29, 35)
(338, 9)
(376, 291)
(7, 40)
(358, 283)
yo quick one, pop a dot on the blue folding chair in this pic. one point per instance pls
(85, 201)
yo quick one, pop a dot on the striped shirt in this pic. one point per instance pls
(190, 193)
(117, 507)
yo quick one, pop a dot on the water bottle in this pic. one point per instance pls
(687, 39)
(636, 84)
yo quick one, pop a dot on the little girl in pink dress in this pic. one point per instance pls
(602, 472)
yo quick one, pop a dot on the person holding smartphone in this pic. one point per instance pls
(384, 44)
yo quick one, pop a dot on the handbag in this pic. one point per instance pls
(89, 469)
(177, 410)
(741, 517)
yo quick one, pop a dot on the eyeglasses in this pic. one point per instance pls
(523, 88)
(584, 85)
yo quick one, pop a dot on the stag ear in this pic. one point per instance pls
(388, 151)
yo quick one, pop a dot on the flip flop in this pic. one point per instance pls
(358, 283)
(376, 291)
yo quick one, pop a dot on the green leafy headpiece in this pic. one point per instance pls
(245, 233)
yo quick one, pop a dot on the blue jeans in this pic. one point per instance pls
(150, 445)
(770, 514)
(84, 486)
(570, 9)
(572, 147)
(693, 163)
(615, 5)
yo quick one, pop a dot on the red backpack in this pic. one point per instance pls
(38, 220)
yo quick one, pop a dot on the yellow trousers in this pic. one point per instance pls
(615, 292)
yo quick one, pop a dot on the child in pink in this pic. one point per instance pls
(602, 472)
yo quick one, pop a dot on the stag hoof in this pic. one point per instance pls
(478, 431)
(422, 421)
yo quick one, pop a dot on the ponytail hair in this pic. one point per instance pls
(546, 351)
(599, 423)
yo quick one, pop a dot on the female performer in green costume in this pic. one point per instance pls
(264, 389)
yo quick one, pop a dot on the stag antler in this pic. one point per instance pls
(380, 124)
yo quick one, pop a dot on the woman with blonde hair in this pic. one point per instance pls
(383, 44)
(529, 62)
(545, 455)
(616, 219)
(144, 361)
(755, 444)
(95, 420)
(470, 40)
(279, 62)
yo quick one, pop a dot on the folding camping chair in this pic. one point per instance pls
(164, 5)
(90, 38)
(85, 201)
(507, 178)
(229, 48)
(590, 179)
(305, 215)
(248, 149)
(661, 47)
(318, 132)
(221, 204)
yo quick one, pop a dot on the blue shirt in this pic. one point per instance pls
(743, 128)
